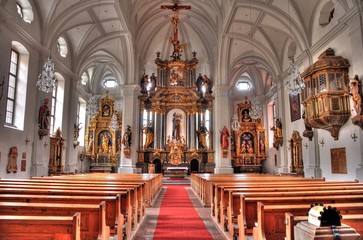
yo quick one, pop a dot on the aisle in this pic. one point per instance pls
(177, 217)
(147, 230)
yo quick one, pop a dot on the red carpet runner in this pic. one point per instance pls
(177, 217)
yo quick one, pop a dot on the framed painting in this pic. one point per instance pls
(295, 110)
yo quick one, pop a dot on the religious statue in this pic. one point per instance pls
(202, 136)
(278, 138)
(105, 138)
(177, 126)
(44, 113)
(199, 83)
(207, 84)
(224, 141)
(224, 138)
(355, 92)
(153, 82)
(143, 83)
(12, 160)
(126, 139)
(76, 129)
(149, 135)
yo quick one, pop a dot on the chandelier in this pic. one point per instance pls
(256, 108)
(294, 83)
(92, 106)
(114, 126)
(235, 123)
(47, 80)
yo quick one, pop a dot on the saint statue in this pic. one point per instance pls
(202, 136)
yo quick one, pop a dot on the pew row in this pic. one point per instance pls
(268, 214)
(115, 220)
(93, 216)
(15, 227)
(353, 220)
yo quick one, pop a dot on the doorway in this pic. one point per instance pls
(194, 166)
(157, 163)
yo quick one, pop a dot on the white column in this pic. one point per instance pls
(221, 119)
(130, 116)
(356, 39)
(313, 169)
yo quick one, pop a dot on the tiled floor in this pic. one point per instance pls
(147, 228)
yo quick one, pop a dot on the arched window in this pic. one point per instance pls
(62, 47)
(109, 83)
(81, 119)
(16, 94)
(25, 10)
(56, 113)
(326, 14)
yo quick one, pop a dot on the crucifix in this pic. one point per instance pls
(175, 21)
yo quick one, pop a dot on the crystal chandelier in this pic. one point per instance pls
(92, 107)
(114, 126)
(256, 109)
(235, 123)
(47, 80)
(294, 83)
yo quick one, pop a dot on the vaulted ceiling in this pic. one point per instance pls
(112, 38)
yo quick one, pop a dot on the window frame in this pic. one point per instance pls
(15, 76)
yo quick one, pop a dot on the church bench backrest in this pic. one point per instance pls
(93, 216)
(114, 210)
(15, 227)
(353, 220)
(220, 200)
(131, 209)
(267, 214)
(247, 214)
(229, 208)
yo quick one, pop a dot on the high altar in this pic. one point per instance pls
(176, 110)
(102, 145)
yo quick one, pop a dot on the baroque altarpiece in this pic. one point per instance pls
(249, 142)
(176, 118)
(103, 145)
(176, 109)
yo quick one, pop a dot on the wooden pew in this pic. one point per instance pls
(15, 227)
(153, 182)
(220, 199)
(268, 214)
(128, 213)
(246, 220)
(203, 183)
(135, 192)
(93, 216)
(231, 207)
(247, 214)
(219, 190)
(353, 220)
(114, 218)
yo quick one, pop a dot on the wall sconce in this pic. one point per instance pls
(27, 140)
(306, 146)
(322, 142)
(354, 136)
(45, 144)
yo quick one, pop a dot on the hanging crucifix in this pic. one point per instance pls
(178, 47)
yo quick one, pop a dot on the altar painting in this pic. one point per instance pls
(104, 142)
(246, 143)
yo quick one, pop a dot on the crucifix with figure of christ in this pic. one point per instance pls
(178, 47)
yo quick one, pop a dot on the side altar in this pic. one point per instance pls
(249, 143)
(176, 107)
(103, 145)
